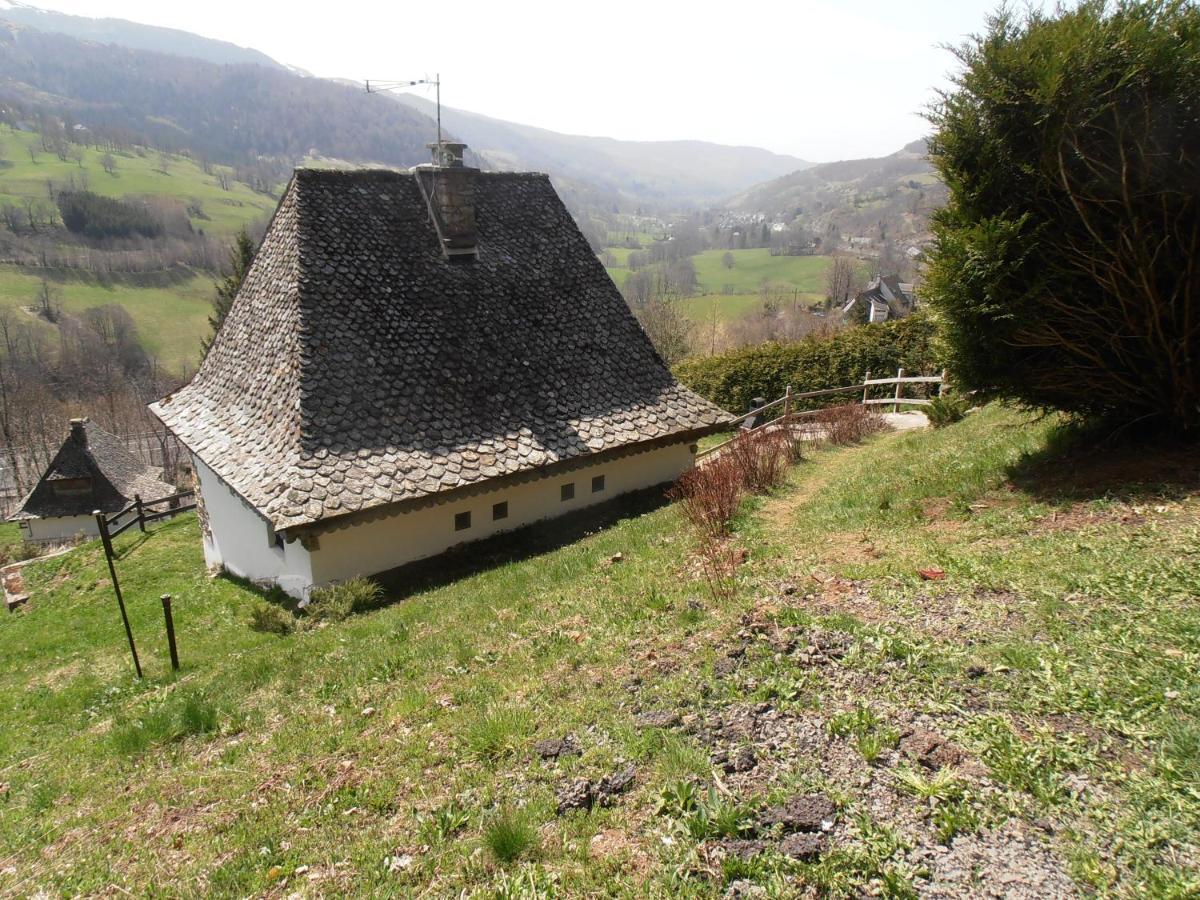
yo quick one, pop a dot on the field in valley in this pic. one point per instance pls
(1031, 719)
(138, 174)
(170, 309)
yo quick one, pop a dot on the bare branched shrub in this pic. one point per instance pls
(849, 424)
(709, 496)
(761, 458)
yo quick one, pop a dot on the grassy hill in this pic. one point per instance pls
(171, 311)
(1051, 672)
(170, 308)
(138, 175)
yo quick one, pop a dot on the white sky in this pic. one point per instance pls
(820, 79)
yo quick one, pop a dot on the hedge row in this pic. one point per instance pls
(733, 380)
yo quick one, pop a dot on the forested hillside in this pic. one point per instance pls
(224, 113)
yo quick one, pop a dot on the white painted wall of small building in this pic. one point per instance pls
(385, 543)
(240, 540)
(59, 528)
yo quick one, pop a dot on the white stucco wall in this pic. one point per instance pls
(385, 543)
(59, 528)
(240, 540)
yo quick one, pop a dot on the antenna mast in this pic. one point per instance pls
(379, 87)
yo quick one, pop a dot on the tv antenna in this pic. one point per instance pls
(380, 87)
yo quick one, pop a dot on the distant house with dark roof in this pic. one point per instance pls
(886, 297)
(415, 360)
(92, 471)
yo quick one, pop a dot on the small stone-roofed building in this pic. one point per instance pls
(886, 297)
(93, 470)
(416, 360)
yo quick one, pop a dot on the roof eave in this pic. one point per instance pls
(293, 529)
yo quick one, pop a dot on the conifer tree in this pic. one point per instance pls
(239, 261)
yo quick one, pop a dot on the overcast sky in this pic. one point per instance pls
(819, 79)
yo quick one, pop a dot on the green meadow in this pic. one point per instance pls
(137, 174)
(171, 310)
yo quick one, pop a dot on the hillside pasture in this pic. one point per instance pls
(393, 752)
(137, 174)
(171, 310)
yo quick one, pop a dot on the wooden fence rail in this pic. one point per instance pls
(117, 523)
(750, 422)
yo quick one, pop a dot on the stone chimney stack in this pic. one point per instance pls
(449, 188)
(78, 433)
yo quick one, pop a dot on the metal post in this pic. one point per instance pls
(866, 378)
(141, 514)
(166, 602)
(112, 571)
(899, 375)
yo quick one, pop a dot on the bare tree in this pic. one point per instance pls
(727, 260)
(668, 329)
(48, 301)
(109, 163)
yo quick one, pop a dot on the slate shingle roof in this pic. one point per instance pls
(359, 368)
(116, 475)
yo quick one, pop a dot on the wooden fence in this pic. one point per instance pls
(139, 512)
(765, 416)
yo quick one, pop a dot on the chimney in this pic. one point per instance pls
(449, 189)
(78, 434)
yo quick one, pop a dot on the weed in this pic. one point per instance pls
(498, 732)
(444, 822)
(942, 785)
(704, 814)
(339, 601)
(271, 619)
(946, 410)
(509, 835)
(872, 745)
(857, 722)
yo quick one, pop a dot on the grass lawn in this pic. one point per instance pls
(171, 316)
(135, 175)
(731, 306)
(754, 267)
(392, 753)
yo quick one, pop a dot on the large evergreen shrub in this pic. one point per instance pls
(1064, 271)
(732, 380)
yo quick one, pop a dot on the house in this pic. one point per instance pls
(416, 360)
(92, 471)
(886, 297)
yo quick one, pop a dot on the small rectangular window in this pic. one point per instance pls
(499, 510)
(597, 484)
(462, 521)
(567, 492)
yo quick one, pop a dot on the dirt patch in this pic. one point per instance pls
(1079, 516)
(849, 548)
(946, 615)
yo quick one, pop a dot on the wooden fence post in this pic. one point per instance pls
(942, 386)
(112, 571)
(166, 602)
(141, 513)
(899, 375)
(866, 378)
(787, 405)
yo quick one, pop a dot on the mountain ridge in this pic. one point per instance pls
(136, 36)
